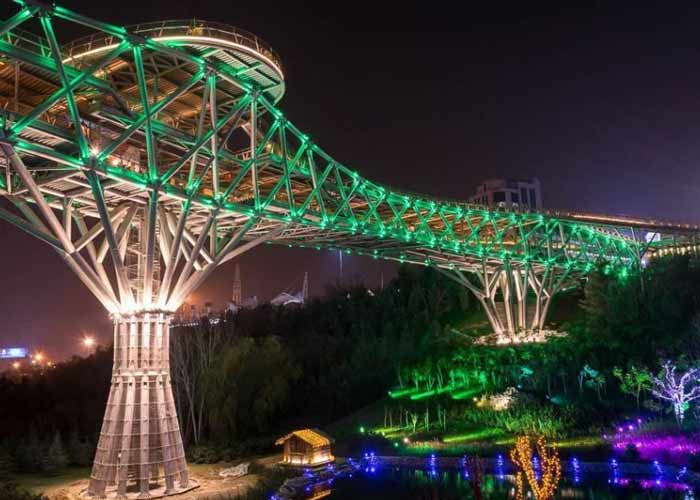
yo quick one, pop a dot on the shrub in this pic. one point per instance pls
(552, 421)
(10, 491)
(7, 463)
(204, 454)
(29, 453)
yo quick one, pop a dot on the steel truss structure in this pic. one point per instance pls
(148, 156)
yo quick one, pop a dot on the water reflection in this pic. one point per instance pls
(431, 482)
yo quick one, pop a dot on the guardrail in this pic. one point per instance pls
(186, 27)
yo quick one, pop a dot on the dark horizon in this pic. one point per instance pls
(599, 103)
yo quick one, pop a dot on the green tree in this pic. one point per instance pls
(634, 381)
(29, 453)
(55, 457)
(7, 463)
(80, 452)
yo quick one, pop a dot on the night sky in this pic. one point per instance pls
(601, 103)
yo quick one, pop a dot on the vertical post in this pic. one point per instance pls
(150, 231)
(16, 94)
(211, 82)
(253, 147)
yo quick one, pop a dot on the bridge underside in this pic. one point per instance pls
(515, 299)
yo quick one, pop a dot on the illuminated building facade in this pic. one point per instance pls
(509, 193)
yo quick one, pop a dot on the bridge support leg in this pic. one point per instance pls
(140, 444)
(516, 301)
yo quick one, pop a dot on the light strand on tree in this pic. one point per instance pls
(679, 390)
(522, 457)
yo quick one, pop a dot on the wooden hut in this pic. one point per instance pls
(306, 447)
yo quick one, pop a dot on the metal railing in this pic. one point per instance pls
(186, 27)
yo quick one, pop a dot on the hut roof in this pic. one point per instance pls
(314, 437)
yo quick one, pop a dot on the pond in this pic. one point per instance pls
(381, 481)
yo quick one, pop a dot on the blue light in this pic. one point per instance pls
(682, 472)
(499, 468)
(615, 472)
(463, 463)
(576, 466)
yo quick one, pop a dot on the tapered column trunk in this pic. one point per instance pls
(140, 443)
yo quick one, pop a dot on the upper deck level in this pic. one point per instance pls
(244, 52)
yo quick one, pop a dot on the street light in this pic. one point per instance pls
(16, 365)
(88, 343)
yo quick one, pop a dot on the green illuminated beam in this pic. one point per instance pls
(67, 88)
(23, 15)
(146, 107)
(61, 92)
(139, 121)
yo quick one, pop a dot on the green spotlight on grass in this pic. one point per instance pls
(580, 442)
(466, 394)
(422, 395)
(402, 392)
(478, 435)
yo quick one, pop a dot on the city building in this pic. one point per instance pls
(509, 193)
(237, 301)
(288, 298)
(191, 315)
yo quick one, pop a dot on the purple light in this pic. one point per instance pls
(666, 485)
(650, 446)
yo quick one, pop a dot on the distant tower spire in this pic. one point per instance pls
(305, 288)
(237, 296)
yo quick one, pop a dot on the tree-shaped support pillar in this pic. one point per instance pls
(159, 253)
(140, 436)
(515, 299)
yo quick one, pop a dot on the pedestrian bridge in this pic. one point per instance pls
(147, 156)
(160, 150)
